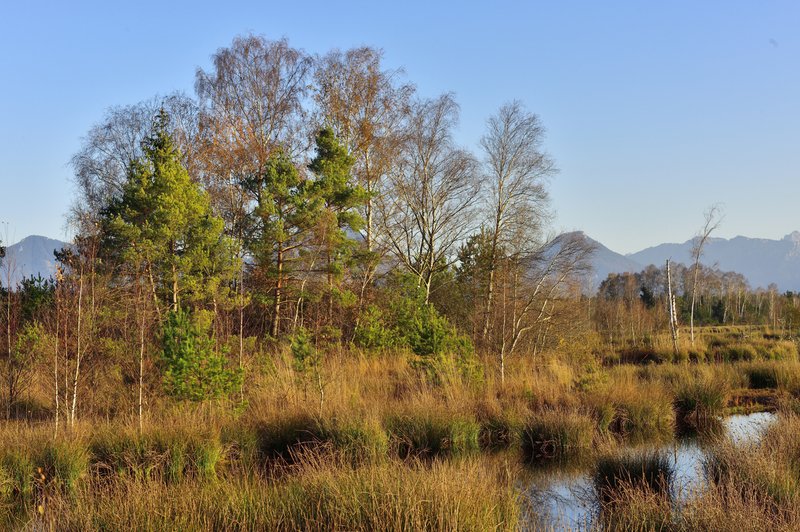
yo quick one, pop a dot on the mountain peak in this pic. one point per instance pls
(31, 256)
(35, 239)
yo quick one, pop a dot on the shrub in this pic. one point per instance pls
(192, 370)
(439, 347)
(372, 331)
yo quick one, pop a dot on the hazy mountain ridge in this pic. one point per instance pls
(33, 255)
(762, 261)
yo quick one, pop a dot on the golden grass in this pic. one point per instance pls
(383, 444)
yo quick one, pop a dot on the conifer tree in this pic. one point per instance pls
(163, 225)
(287, 209)
(340, 219)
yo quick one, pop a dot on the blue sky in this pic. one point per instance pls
(654, 110)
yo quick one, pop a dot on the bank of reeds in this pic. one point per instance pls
(752, 485)
(558, 435)
(701, 400)
(382, 418)
(320, 494)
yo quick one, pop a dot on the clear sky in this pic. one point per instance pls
(654, 110)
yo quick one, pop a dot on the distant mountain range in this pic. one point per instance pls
(761, 261)
(32, 255)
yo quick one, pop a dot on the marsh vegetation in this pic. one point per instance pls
(295, 302)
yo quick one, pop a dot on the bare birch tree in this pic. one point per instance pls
(101, 165)
(713, 218)
(429, 210)
(532, 284)
(517, 170)
(673, 314)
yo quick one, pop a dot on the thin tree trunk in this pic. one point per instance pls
(8, 342)
(492, 265)
(241, 330)
(141, 365)
(55, 362)
(370, 199)
(153, 289)
(673, 318)
(276, 308)
(174, 288)
(77, 353)
(503, 335)
(694, 295)
(487, 310)
(321, 389)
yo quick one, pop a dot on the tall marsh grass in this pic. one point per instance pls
(557, 435)
(389, 449)
(463, 495)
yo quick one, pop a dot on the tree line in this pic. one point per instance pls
(295, 202)
(630, 308)
(302, 205)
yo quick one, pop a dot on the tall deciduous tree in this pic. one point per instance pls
(433, 192)
(251, 105)
(516, 170)
(252, 112)
(365, 105)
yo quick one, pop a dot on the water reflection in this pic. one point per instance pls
(563, 496)
(748, 428)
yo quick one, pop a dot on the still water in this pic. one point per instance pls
(563, 497)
